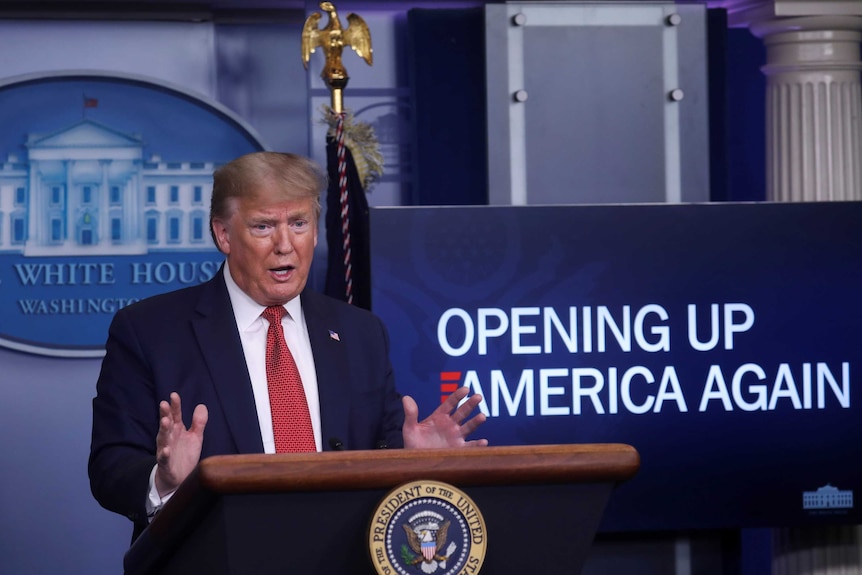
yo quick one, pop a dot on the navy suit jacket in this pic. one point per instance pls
(187, 341)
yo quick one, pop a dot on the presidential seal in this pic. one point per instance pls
(427, 527)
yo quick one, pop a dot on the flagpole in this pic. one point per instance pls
(332, 39)
(345, 211)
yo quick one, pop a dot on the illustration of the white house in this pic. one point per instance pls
(87, 190)
(827, 497)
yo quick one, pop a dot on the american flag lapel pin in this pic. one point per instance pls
(334, 335)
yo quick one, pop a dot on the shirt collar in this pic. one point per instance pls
(246, 311)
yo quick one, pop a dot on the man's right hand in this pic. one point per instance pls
(178, 449)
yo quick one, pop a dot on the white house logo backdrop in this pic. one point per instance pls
(105, 186)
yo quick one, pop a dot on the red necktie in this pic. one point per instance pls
(291, 422)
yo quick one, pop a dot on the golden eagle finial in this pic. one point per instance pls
(332, 39)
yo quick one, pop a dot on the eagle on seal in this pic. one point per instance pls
(425, 543)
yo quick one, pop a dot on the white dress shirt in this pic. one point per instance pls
(252, 332)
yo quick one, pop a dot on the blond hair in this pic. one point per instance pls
(297, 177)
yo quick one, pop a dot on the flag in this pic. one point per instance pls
(91, 102)
(357, 213)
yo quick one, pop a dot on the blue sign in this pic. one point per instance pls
(105, 185)
(722, 341)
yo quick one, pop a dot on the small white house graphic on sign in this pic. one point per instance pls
(827, 497)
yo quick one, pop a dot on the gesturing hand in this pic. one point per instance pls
(178, 449)
(446, 427)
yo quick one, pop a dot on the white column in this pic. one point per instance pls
(36, 206)
(103, 212)
(827, 550)
(814, 153)
(69, 205)
(813, 107)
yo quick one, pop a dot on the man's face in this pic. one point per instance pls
(269, 243)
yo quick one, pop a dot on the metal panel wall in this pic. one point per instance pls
(597, 103)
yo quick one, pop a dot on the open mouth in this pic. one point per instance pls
(282, 272)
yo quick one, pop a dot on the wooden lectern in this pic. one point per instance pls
(309, 513)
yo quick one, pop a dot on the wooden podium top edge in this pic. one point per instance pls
(385, 468)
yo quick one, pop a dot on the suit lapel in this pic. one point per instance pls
(216, 332)
(330, 362)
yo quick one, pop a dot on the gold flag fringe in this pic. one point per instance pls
(359, 137)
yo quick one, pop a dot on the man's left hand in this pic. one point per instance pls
(448, 426)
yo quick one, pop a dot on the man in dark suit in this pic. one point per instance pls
(206, 346)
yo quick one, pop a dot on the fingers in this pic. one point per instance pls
(164, 410)
(176, 407)
(163, 438)
(450, 405)
(169, 415)
(173, 411)
(476, 443)
(411, 410)
(462, 413)
(452, 401)
(165, 425)
(468, 426)
(171, 423)
(472, 424)
(164, 455)
(199, 419)
(459, 413)
(467, 408)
